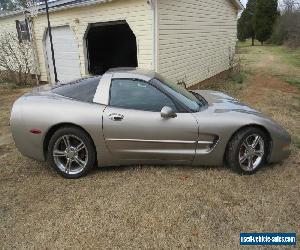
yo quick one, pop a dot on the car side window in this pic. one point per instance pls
(138, 95)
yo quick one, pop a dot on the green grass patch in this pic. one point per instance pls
(296, 142)
(12, 85)
(248, 71)
(294, 82)
(9, 85)
(290, 56)
(243, 45)
(293, 57)
(248, 43)
(238, 78)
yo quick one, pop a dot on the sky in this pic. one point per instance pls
(244, 2)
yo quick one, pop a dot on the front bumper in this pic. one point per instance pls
(281, 146)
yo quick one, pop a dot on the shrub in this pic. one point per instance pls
(16, 64)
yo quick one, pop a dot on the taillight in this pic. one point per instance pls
(35, 131)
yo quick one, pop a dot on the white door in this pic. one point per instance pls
(66, 54)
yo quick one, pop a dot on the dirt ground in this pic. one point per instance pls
(157, 207)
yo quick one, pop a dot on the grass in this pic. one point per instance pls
(289, 56)
(294, 82)
(157, 207)
(247, 43)
(278, 61)
(11, 85)
(296, 141)
(238, 77)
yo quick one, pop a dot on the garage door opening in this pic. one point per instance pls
(110, 45)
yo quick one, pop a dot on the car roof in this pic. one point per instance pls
(132, 73)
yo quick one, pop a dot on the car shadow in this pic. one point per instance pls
(126, 168)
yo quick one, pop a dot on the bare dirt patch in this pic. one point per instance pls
(153, 207)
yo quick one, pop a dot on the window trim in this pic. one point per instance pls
(184, 107)
(178, 107)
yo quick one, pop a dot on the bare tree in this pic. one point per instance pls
(290, 5)
(287, 27)
(291, 19)
(15, 59)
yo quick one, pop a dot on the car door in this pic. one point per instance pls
(134, 129)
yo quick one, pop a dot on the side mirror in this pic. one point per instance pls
(167, 112)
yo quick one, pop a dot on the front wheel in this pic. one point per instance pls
(247, 150)
(71, 152)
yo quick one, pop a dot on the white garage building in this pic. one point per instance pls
(185, 40)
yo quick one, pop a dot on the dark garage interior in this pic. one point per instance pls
(110, 45)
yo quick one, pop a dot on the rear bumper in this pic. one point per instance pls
(30, 145)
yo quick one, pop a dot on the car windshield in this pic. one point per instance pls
(179, 92)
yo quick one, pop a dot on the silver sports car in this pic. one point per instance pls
(131, 116)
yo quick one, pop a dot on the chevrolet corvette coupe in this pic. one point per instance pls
(131, 116)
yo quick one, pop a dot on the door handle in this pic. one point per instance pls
(116, 117)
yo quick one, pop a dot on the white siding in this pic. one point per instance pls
(194, 38)
(8, 24)
(137, 13)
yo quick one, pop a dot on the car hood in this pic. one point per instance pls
(222, 103)
(232, 108)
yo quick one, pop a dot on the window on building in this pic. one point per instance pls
(23, 30)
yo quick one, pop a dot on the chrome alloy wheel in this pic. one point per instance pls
(251, 152)
(70, 154)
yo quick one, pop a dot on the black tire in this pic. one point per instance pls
(232, 153)
(89, 151)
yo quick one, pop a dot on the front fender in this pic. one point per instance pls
(224, 125)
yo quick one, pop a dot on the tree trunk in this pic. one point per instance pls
(252, 40)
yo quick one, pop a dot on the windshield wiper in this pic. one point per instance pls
(200, 98)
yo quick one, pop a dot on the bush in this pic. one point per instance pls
(287, 29)
(238, 78)
(16, 64)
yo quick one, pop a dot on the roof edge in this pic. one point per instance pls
(12, 13)
(53, 7)
(238, 4)
(74, 5)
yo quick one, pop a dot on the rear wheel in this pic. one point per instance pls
(71, 152)
(247, 151)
